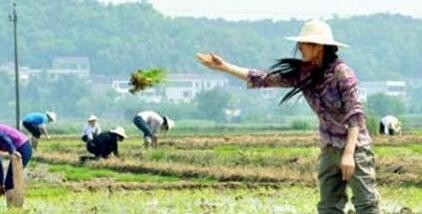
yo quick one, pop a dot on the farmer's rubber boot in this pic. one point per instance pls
(154, 143)
(2, 190)
(147, 142)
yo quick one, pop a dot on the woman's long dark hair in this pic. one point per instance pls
(291, 68)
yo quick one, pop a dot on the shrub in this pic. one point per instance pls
(372, 124)
(300, 124)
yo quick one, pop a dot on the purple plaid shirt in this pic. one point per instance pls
(335, 101)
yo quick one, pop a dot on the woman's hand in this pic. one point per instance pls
(16, 155)
(212, 61)
(215, 62)
(347, 166)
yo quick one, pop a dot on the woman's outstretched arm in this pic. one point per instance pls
(216, 62)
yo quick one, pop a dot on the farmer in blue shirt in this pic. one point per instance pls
(36, 123)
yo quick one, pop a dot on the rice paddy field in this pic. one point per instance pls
(234, 173)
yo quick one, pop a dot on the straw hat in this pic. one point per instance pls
(170, 123)
(51, 115)
(119, 131)
(92, 118)
(318, 32)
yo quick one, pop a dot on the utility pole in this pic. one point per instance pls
(14, 18)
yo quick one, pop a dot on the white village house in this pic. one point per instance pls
(390, 88)
(184, 87)
(78, 66)
(75, 66)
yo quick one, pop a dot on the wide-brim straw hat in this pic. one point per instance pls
(317, 32)
(52, 115)
(119, 131)
(92, 118)
(170, 123)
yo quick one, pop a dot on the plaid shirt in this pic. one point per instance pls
(335, 101)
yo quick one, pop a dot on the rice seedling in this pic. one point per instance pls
(142, 79)
(283, 199)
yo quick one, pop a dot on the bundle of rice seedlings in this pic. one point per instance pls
(142, 79)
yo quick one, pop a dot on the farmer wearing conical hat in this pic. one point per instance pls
(106, 143)
(330, 87)
(36, 123)
(151, 123)
(17, 145)
(91, 129)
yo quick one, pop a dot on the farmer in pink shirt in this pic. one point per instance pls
(16, 144)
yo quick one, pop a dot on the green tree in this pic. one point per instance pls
(382, 104)
(67, 95)
(213, 103)
(7, 96)
(415, 102)
(129, 36)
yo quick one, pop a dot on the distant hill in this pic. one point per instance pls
(119, 39)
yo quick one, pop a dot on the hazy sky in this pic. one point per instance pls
(281, 9)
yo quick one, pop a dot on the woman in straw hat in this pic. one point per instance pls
(330, 88)
(91, 129)
(106, 143)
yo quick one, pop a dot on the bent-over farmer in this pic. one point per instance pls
(15, 143)
(36, 123)
(106, 143)
(390, 125)
(151, 123)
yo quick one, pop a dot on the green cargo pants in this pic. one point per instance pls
(333, 189)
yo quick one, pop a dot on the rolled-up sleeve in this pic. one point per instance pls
(261, 79)
(348, 87)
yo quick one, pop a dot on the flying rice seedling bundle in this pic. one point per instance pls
(142, 79)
